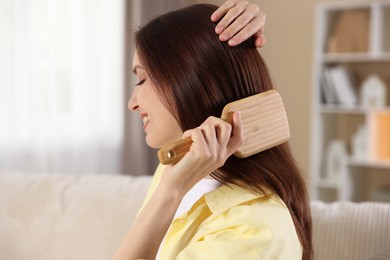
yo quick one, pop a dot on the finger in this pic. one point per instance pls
(239, 24)
(220, 130)
(211, 120)
(242, 23)
(229, 17)
(197, 137)
(254, 27)
(260, 41)
(188, 133)
(198, 150)
(224, 131)
(237, 134)
(210, 134)
(222, 10)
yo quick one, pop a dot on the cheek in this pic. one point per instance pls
(160, 138)
(164, 127)
(170, 126)
(175, 130)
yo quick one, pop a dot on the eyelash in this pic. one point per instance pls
(141, 82)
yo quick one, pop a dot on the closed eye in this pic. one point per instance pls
(140, 82)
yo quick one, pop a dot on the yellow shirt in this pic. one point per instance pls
(231, 223)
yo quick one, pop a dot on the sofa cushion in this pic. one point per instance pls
(347, 230)
(55, 217)
(66, 217)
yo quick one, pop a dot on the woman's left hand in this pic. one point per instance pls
(240, 20)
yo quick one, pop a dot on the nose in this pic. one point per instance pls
(133, 103)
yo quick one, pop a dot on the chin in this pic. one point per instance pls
(158, 143)
(152, 144)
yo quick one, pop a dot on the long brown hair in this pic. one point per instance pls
(196, 75)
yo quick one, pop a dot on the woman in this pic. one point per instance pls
(222, 207)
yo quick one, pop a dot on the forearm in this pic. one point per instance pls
(148, 230)
(212, 143)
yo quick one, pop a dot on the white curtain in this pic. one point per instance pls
(61, 85)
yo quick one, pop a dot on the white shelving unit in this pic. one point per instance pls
(332, 121)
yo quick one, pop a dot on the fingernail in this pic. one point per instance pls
(224, 37)
(238, 114)
(219, 29)
(232, 42)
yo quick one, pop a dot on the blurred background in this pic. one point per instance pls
(65, 79)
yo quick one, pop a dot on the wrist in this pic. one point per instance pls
(174, 183)
(172, 192)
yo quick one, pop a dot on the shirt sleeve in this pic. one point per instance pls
(153, 185)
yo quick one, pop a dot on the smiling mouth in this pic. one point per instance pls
(145, 120)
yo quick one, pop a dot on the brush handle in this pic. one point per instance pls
(173, 153)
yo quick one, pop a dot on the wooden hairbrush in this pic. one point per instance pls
(264, 122)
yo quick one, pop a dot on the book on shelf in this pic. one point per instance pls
(327, 88)
(337, 84)
(379, 135)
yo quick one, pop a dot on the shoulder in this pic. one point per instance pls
(259, 212)
(234, 223)
(271, 210)
(270, 214)
(265, 221)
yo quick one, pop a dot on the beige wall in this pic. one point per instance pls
(289, 54)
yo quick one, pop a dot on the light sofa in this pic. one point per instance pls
(55, 217)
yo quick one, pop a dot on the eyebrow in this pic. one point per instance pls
(137, 67)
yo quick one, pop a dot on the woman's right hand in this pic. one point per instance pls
(213, 142)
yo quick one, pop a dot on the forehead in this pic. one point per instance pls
(136, 59)
(137, 63)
